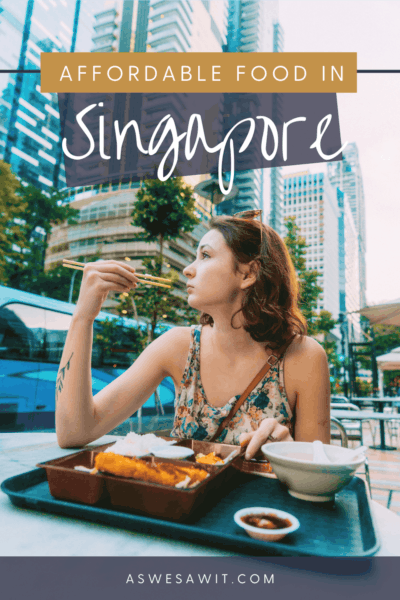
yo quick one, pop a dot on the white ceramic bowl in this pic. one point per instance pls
(175, 452)
(267, 535)
(292, 463)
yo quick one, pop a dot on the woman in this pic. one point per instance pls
(244, 284)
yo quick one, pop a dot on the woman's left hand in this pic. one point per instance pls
(269, 430)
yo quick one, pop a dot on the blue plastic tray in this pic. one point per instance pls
(343, 528)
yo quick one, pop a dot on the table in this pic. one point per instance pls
(367, 415)
(30, 533)
(377, 401)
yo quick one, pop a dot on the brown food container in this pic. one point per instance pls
(68, 484)
(254, 467)
(199, 447)
(132, 495)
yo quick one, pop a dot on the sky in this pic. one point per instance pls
(371, 117)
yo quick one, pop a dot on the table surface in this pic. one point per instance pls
(30, 533)
(384, 399)
(357, 415)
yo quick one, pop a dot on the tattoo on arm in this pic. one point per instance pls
(61, 377)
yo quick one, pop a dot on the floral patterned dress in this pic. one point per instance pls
(195, 418)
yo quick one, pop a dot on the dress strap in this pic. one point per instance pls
(192, 362)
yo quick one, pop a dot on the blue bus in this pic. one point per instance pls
(32, 336)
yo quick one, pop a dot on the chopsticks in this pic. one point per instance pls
(142, 277)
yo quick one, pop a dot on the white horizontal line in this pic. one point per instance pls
(26, 157)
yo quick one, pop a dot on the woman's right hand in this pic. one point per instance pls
(99, 278)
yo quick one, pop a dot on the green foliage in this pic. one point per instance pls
(37, 214)
(55, 283)
(119, 345)
(12, 206)
(308, 279)
(156, 303)
(387, 337)
(317, 323)
(163, 210)
(325, 322)
(363, 388)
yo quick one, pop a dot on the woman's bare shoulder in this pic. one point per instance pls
(305, 349)
(306, 369)
(176, 335)
(173, 348)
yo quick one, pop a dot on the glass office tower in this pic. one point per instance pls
(312, 200)
(29, 120)
(347, 176)
(251, 29)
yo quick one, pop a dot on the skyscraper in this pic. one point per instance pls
(29, 120)
(275, 218)
(349, 275)
(160, 26)
(347, 176)
(250, 29)
(312, 200)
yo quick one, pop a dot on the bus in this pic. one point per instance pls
(33, 330)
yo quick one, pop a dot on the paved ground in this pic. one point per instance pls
(384, 467)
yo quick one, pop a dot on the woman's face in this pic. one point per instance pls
(212, 280)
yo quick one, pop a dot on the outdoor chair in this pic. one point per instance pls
(345, 443)
(340, 399)
(353, 428)
(393, 427)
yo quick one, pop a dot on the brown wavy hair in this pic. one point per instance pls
(270, 306)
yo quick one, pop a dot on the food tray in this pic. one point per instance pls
(157, 500)
(343, 528)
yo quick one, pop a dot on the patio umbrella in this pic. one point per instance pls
(389, 361)
(383, 314)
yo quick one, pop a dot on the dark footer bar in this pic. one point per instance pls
(102, 578)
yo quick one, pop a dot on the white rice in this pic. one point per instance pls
(137, 445)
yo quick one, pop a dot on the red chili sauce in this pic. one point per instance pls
(266, 521)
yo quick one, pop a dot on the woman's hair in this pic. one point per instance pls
(269, 308)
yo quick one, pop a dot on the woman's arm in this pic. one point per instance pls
(309, 376)
(80, 417)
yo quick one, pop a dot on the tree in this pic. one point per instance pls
(118, 344)
(12, 206)
(324, 325)
(156, 303)
(25, 269)
(308, 279)
(163, 211)
(317, 323)
(56, 281)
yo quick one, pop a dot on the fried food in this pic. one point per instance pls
(209, 459)
(162, 472)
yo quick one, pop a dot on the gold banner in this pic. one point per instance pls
(194, 72)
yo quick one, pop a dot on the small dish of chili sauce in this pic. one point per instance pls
(267, 524)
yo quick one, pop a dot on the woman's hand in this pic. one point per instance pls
(269, 430)
(99, 278)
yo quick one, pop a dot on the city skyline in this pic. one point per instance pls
(375, 138)
(367, 118)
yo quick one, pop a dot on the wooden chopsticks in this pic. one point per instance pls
(142, 277)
